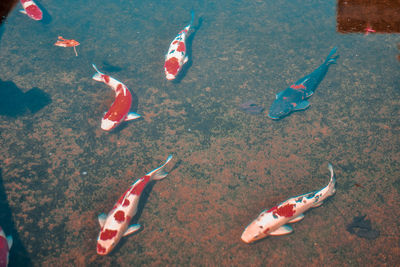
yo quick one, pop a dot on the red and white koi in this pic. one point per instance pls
(31, 9)
(5, 246)
(176, 56)
(115, 225)
(120, 108)
(273, 221)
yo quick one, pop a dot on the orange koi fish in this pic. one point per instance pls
(67, 43)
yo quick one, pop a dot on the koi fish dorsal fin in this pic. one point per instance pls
(283, 230)
(297, 219)
(102, 219)
(159, 173)
(131, 229)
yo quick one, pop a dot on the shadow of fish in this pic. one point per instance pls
(294, 98)
(362, 228)
(251, 107)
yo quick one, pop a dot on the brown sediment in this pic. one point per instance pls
(60, 170)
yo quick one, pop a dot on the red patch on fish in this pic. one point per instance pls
(119, 216)
(285, 211)
(181, 47)
(106, 78)
(34, 12)
(172, 65)
(297, 86)
(122, 197)
(100, 249)
(120, 107)
(174, 42)
(272, 209)
(120, 88)
(108, 234)
(140, 186)
(126, 203)
(266, 231)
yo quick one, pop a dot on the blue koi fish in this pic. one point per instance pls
(294, 98)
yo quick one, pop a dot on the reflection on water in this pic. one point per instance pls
(60, 170)
(368, 16)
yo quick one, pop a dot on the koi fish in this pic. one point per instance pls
(67, 43)
(273, 221)
(120, 109)
(115, 225)
(5, 246)
(176, 55)
(294, 98)
(31, 9)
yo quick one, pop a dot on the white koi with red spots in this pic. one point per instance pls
(31, 9)
(115, 225)
(5, 246)
(176, 56)
(273, 221)
(120, 109)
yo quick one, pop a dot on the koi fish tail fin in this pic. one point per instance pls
(159, 173)
(192, 17)
(330, 59)
(98, 75)
(187, 28)
(332, 182)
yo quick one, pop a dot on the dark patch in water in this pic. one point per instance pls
(109, 67)
(14, 102)
(36, 99)
(362, 228)
(251, 107)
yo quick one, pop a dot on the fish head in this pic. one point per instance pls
(259, 228)
(280, 108)
(107, 240)
(172, 67)
(169, 76)
(107, 124)
(103, 249)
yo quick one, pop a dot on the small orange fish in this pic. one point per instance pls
(67, 43)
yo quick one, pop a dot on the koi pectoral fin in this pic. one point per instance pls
(318, 204)
(102, 219)
(131, 229)
(302, 105)
(278, 95)
(9, 241)
(132, 116)
(297, 219)
(283, 230)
